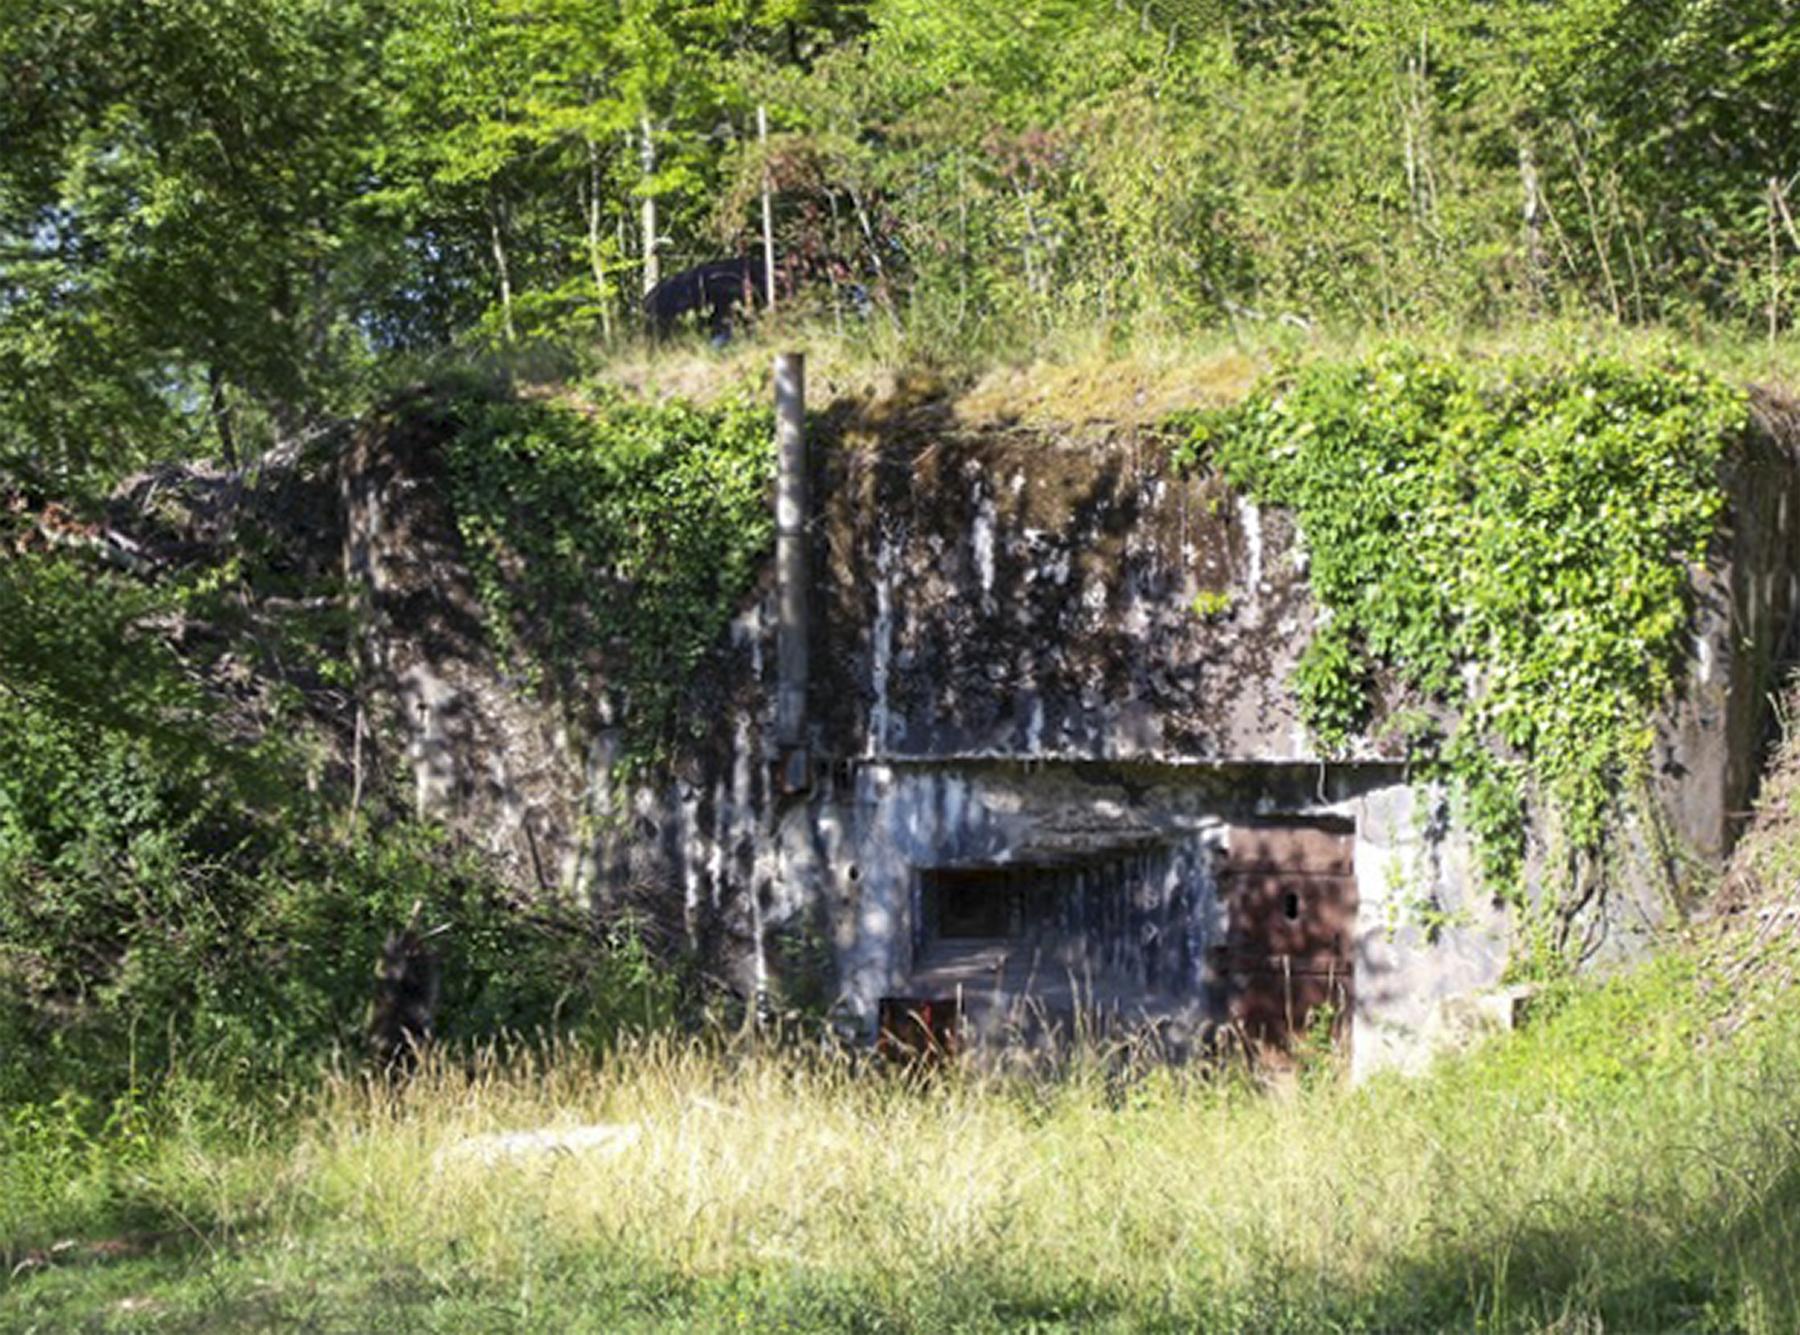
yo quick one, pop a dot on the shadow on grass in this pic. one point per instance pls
(74, 1282)
(1641, 1264)
(1669, 1265)
(199, 1291)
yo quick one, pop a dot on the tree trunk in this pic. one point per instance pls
(222, 417)
(1531, 216)
(601, 294)
(868, 231)
(652, 263)
(768, 214)
(1602, 245)
(1774, 264)
(497, 237)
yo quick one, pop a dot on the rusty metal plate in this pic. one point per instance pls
(911, 1029)
(1227, 961)
(1277, 914)
(1273, 1007)
(1291, 904)
(1312, 849)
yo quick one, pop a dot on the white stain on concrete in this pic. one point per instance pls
(981, 542)
(882, 635)
(1250, 521)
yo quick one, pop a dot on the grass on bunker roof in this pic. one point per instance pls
(1131, 378)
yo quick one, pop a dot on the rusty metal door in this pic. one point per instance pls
(918, 1029)
(1290, 897)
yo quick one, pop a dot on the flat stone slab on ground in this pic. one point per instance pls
(605, 1139)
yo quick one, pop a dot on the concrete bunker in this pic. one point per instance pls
(1064, 769)
(1009, 723)
(1268, 901)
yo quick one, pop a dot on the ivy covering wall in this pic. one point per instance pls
(1508, 545)
(620, 536)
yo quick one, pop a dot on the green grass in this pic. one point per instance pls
(1092, 371)
(1619, 1165)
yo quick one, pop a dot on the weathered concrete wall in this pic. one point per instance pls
(1762, 529)
(1015, 593)
(1007, 662)
(504, 772)
(1711, 739)
(1421, 934)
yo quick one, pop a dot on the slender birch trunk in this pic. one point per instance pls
(595, 260)
(652, 263)
(497, 238)
(768, 214)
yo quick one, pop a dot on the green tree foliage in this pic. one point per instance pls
(218, 216)
(1050, 163)
(172, 198)
(514, 140)
(1664, 125)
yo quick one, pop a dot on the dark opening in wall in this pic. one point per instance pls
(990, 903)
(1081, 928)
(974, 906)
(1030, 925)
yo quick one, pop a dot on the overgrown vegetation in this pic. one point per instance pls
(620, 536)
(1511, 544)
(182, 891)
(227, 225)
(1621, 1165)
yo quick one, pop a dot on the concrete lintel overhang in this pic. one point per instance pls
(1386, 766)
(1031, 856)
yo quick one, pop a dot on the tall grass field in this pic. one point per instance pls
(1630, 1161)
